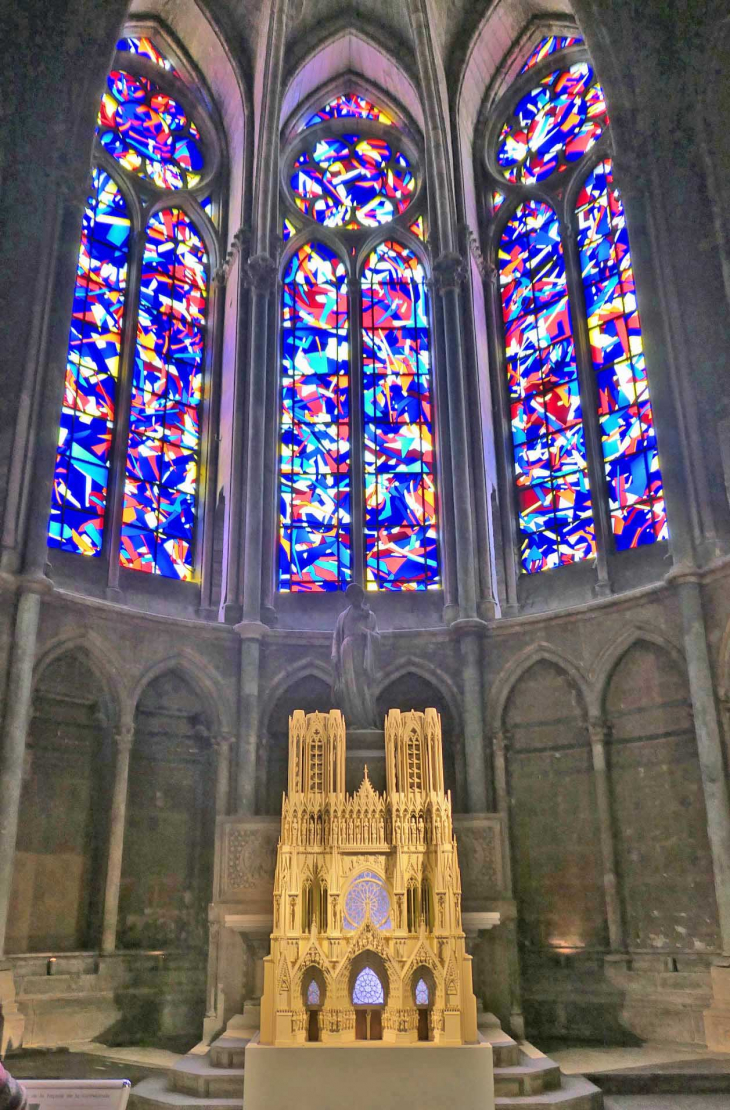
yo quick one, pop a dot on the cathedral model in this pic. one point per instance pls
(367, 941)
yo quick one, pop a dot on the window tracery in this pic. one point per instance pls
(580, 415)
(147, 355)
(367, 898)
(368, 990)
(357, 472)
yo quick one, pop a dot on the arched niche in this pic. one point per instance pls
(55, 903)
(415, 691)
(554, 829)
(170, 822)
(310, 693)
(662, 852)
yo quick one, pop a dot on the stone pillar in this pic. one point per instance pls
(598, 731)
(248, 716)
(500, 745)
(211, 992)
(15, 729)
(117, 821)
(222, 747)
(476, 783)
(709, 743)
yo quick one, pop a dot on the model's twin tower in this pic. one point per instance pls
(367, 941)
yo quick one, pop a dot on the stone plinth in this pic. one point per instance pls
(12, 1021)
(717, 1018)
(368, 1074)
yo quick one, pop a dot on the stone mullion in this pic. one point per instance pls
(115, 851)
(599, 734)
(356, 431)
(476, 783)
(589, 405)
(222, 748)
(508, 489)
(270, 532)
(118, 462)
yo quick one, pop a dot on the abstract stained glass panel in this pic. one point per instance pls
(401, 546)
(554, 501)
(348, 107)
(149, 132)
(624, 409)
(547, 46)
(314, 551)
(553, 125)
(145, 48)
(92, 369)
(164, 438)
(352, 181)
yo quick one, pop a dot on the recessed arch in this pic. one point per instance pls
(194, 669)
(611, 656)
(103, 661)
(513, 671)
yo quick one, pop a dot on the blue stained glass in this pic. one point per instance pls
(401, 545)
(626, 421)
(368, 990)
(551, 44)
(314, 547)
(80, 481)
(554, 504)
(367, 899)
(313, 993)
(158, 514)
(421, 993)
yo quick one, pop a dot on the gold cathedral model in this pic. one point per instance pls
(367, 941)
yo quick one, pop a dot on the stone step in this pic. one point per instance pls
(529, 1077)
(575, 1093)
(195, 1075)
(228, 1051)
(154, 1094)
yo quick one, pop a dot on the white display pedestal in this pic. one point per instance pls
(368, 1074)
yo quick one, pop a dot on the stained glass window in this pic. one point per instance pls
(87, 420)
(348, 107)
(553, 125)
(421, 993)
(547, 46)
(149, 132)
(418, 229)
(313, 993)
(153, 139)
(549, 131)
(315, 432)
(555, 514)
(164, 438)
(625, 414)
(145, 48)
(352, 181)
(366, 898)
(368, 990)
(401, 546)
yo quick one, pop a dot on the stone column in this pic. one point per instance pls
(476, 783)
(18, 707)
(222, 747)
(500, 745)
(599, 733)
(214, 935)
(251, 634)
(117, 821)
(709, 743)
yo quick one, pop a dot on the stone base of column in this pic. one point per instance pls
(717, 1018)
(12, 1022)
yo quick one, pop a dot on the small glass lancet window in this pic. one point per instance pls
(313, 993)
(422, 993)
(368, 990)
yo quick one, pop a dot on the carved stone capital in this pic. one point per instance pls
(501, 741)
(449, 271)
(599, 730)
(124, 739)
(261, 273)
(222, 744)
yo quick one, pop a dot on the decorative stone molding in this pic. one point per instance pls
(475, 250)
(449, 272)
(261, 273)
(240, 241)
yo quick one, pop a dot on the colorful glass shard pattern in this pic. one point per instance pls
(314, 550)
(553, 125)
(348, 107)
(554, 501)
(350, 181)
(401, 546)
(145, 48)
(163, 449)
(547, 46)
(149, 133)
(418, 228)
(87, 419)
(624, 409)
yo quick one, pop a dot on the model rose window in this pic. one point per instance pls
(366, 899)
(368, 990)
